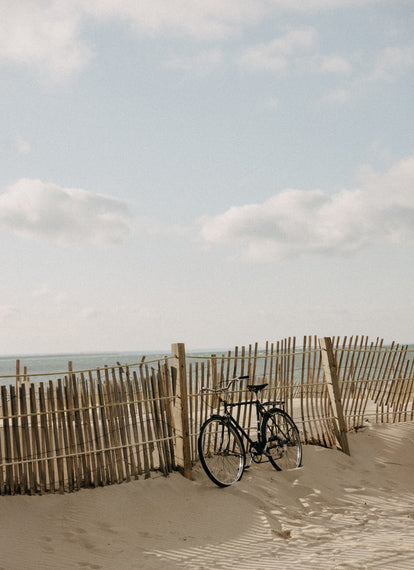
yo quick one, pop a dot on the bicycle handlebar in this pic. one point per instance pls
(224, 388)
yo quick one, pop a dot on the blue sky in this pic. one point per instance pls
(214, 173)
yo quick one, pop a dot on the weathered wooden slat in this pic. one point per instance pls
(146, 425)
(195, 388)
(245, 394)
(20, 474)
(362, 394)
(102, 473)
(242, 391)
(272, 377)
(351, 406)
(302, 390)
(313, 394)
(126, 427)
(382, 374)
(57, 437)
(159, 424)
(235, 361)
(161, 388)
(144, 449)
(8, 456)
(133, 412)
(71, 431)
(334, 393)
(62, 426)
(408, 394)
(374, 372)
(84, 467)
(26, 441)
(34, 421)
(113, 431)
(291, 372)
(120, 425)
(169, 411)
(248, 410)
(110, 460)
(50, 482)
(265, 360)
(91, 467)
(308, 425)
(2, 475)
(204, 397)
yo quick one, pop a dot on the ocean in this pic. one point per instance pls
(41, 367)
(45, 364)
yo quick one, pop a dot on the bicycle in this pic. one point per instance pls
(220, 442)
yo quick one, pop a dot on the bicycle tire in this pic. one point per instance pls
(283, 445)
(221, 451)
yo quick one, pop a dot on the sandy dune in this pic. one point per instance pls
(334, 512)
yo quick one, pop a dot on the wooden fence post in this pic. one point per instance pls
(180, 411)
(331, 377)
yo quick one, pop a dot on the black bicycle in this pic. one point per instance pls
(220, 444)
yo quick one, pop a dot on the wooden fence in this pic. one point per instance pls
(88, 429)
(99, 427)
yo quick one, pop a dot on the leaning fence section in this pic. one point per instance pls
(114, 424)
(89, 429)
(294, 378)
(377, 381)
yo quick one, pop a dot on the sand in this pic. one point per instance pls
(334, 512)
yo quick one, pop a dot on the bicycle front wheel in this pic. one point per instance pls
(221, 451)
(283, 446)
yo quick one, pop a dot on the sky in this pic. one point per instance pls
(215, 173)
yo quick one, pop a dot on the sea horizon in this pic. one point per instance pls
(46, 365)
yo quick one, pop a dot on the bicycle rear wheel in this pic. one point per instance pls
(283, 446)
(221, 451)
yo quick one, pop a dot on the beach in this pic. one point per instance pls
(335, 511)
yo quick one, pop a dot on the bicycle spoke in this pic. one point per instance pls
(221, 452)
(220, 447)
(283, 446)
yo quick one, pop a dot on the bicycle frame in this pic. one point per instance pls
(260, 412)
(220, 442)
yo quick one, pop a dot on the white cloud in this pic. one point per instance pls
(272, 104)
(18, 145)
(388, 65)
(7, 312)
(275, 55)
(298, 222)
(299, 48)
(391, 63)
(37, 210)
(42, 291)
(48, 34)
(54, 298)
(202, 20)
(201, 63)
(338, 95)
(88, 313)
(42, 34)
(208, 19)
(22, 146)
(335, 64)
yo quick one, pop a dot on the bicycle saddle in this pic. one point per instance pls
(256, 388)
